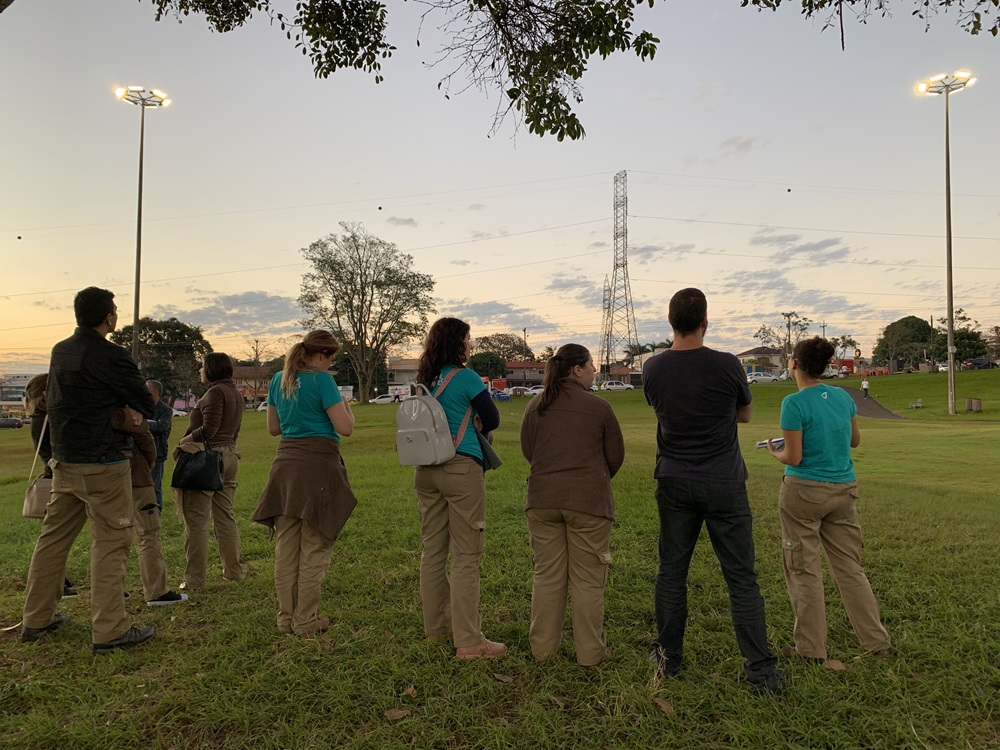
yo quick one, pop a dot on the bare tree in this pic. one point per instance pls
(785, 336)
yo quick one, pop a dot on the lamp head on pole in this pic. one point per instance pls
(138, 96)
(943, 83)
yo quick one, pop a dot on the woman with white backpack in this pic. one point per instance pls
(452, 495)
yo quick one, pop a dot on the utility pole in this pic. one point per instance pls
(524, 372)
(823, 326)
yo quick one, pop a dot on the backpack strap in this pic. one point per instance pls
(468, 412)
(38, 447)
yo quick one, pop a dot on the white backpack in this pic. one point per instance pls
(423, 437)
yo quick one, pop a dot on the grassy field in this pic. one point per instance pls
(219, 675)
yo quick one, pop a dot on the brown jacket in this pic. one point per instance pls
(218, 415)
(574, 449)
(143, 447)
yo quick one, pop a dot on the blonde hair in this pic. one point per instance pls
(315, 342)
(34, 395)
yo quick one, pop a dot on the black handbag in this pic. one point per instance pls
(198, 471)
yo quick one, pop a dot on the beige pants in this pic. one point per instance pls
(101, 493)
(197, 509)
(571, 548)
(152, 568)
(452, 519)
(301, 560)
(823, 515)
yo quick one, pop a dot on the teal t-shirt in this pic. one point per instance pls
(456, 400)
(823, 414)
(305, 416)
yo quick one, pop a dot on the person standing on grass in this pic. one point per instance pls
(146, 516)
(699, 395)
(89, 377)
(159, 427)
(215, 421)
(35, 407)
(864, 387)
(307, 498)
(574, 444)
(817, 503)
(452, 496)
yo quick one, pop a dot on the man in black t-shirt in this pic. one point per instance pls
(699, 395)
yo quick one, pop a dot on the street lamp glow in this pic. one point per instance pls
(153, 99)
(948, 85)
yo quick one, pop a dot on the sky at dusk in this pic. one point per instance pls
(765, 166)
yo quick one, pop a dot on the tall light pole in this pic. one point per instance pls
(946, 84)
(152, 99)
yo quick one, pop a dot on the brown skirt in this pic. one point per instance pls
(308, 480)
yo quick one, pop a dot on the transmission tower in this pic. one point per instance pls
(605, 317)
(618, 332)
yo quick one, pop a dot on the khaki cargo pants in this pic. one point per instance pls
(823, 516)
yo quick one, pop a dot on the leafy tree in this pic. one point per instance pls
(634, 350)
(488, 365)
(969, 342)
(169, 351)
(786, 336)
(508, 346)
(971, 13)
(532, 52)
(546, 354)
(906, 339)
(841, 346)
(366, 292)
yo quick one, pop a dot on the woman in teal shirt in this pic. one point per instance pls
(307, 498)
(452, 496)
(818, 507)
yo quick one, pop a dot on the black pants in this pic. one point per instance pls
(683, 505)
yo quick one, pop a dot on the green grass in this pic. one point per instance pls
(218, 674)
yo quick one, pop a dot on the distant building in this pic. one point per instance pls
(12, 393)
(760, 359)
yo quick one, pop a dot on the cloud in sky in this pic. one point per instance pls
(739, 144)
(251, 313)
(460, 262)
(401, 222)
(476, 207)
(490, 317)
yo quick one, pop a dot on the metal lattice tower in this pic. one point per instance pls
(618, 331)
(605, 317)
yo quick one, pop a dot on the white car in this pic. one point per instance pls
(263, 406)
(535, 390)
(385, 398)
(179, 413)
(617, 385)
(761, 377)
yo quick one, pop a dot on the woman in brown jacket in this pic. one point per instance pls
(215, 421)
(574, 444)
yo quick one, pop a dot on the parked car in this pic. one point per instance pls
(978, 363)
(942, 367)
(263, 406)
(385, 398)
(761, 377)
(535, 390)
(617, 385)
(11, 422)
(179, 413)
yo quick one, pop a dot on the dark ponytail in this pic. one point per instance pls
(557, 369)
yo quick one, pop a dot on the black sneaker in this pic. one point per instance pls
(171, 597)
(663, 666)
(69, 589)
(127, 596)
(132, 637)
(772, 682)
(30, 635)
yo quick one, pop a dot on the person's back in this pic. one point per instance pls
(88, 378)
(695, 394)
